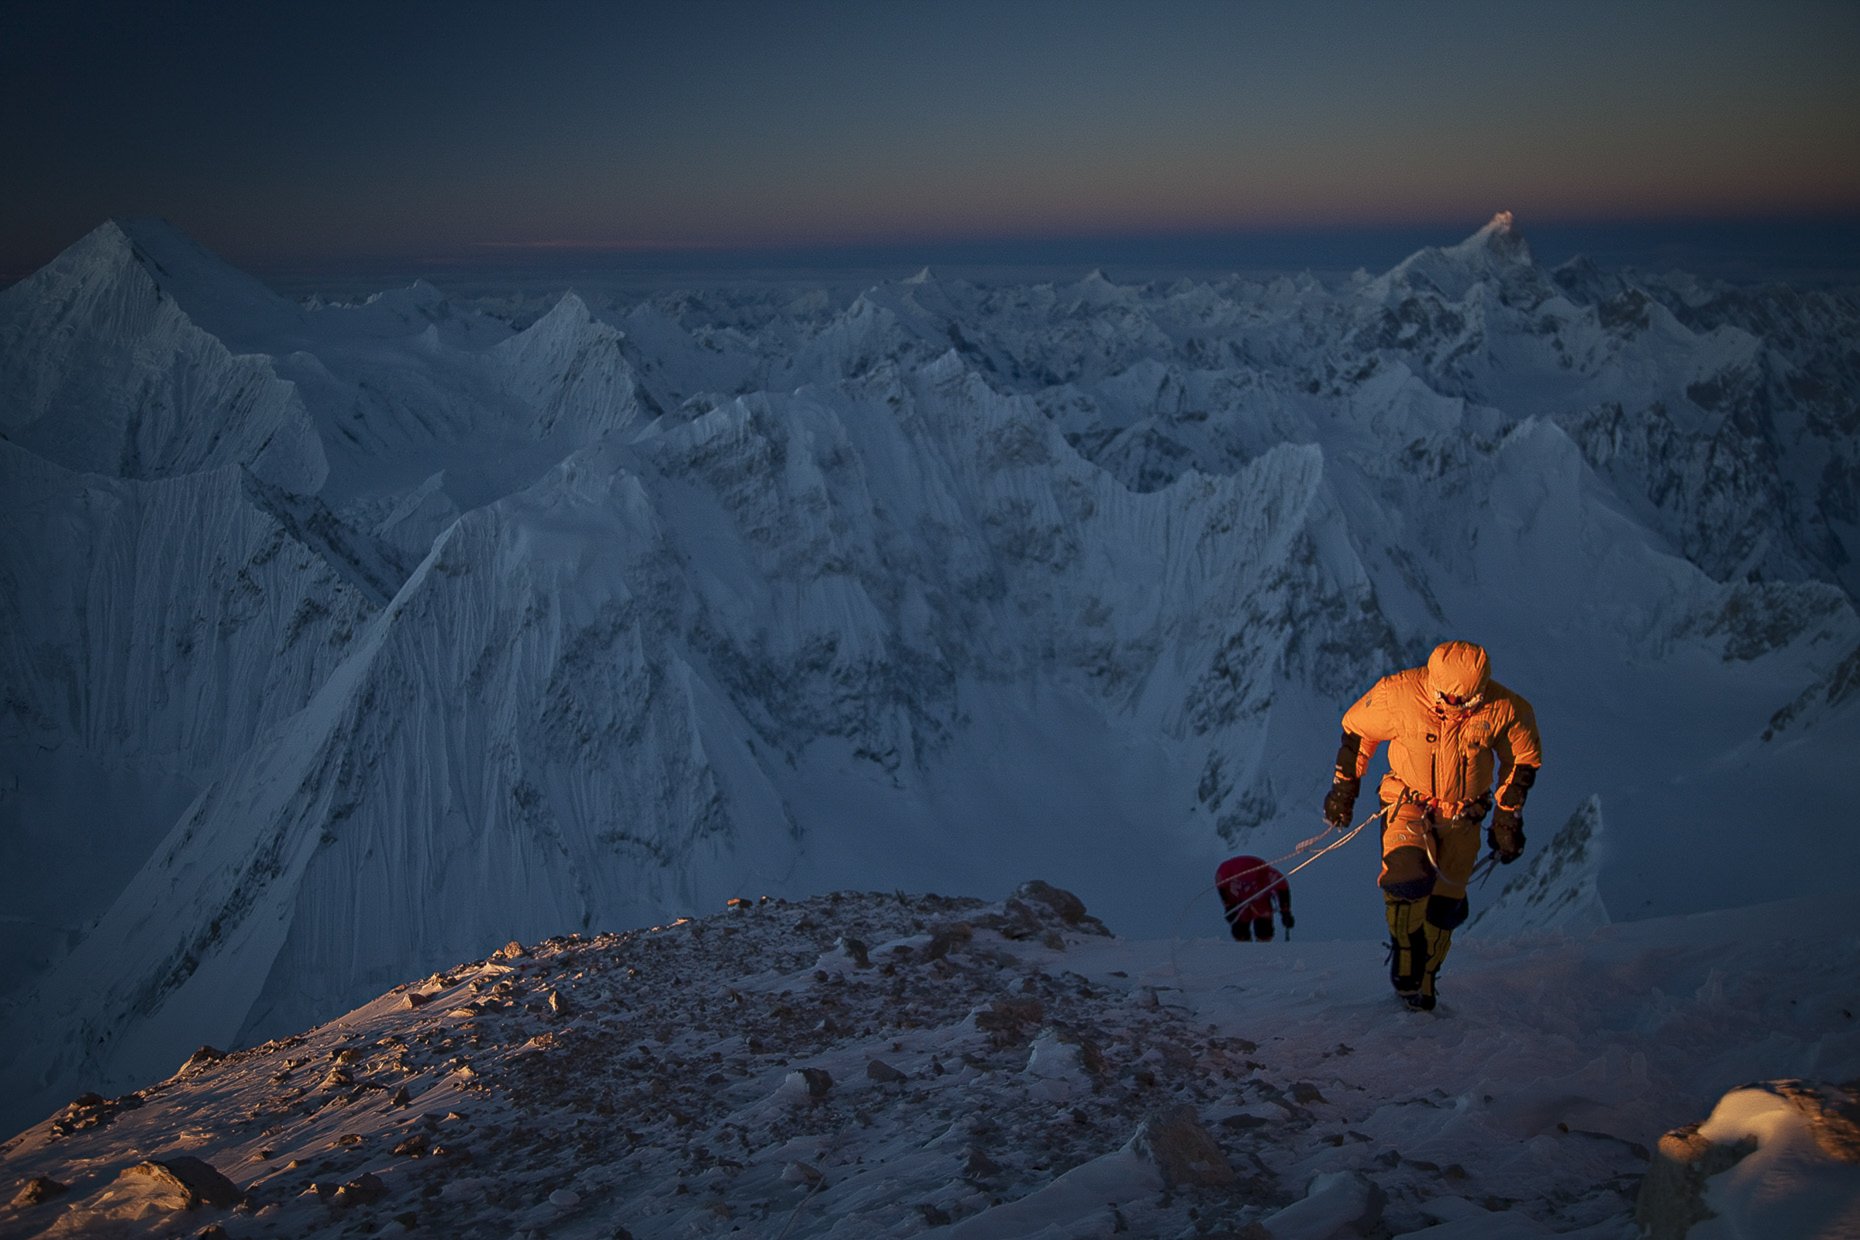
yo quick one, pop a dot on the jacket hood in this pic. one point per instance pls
(1458, 668)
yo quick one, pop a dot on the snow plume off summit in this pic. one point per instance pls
(346, 641)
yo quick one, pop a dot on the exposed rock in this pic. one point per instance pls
(1069, 907)
(803, 1173)
(1184, 1151)
(879, 1070)
(946, 938)
(38, 1188)
(811, 1082)
(1009, 1018)
(183, 1183)
(365, 1189)
(1673, 1195)
(205, 1055)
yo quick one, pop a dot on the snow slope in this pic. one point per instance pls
(432, 630)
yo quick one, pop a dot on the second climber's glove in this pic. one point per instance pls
(1340, 802)
(1286, 917)
(1505, 836)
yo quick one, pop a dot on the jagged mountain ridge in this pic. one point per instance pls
(946, 574)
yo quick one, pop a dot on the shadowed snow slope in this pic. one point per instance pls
(865, 1065)
(343, 642)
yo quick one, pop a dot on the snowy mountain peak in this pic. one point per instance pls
(1497, 254)
(218, 296)
(131, 354)
(1502, 238)
(1502, 225)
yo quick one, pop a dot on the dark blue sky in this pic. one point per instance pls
(300, 134)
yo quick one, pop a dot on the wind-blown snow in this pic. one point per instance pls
(344, 642)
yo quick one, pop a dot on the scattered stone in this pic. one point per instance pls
(213, 1231)
(414, 999)
(565, 1198)
(512, 950)
(1008, 1018)
(38, 1188)
(400, 1098)
(92, 1111)
(363, 1190)
(1070, 908)
(814, 1081)
(1172, 1137)
(979, 1166)
(856, 951)
(183, 1183)
(879, 1070)
(413, 1146)
(200, 1058)
(947, 938)
(803, 1173)
(558, 1006)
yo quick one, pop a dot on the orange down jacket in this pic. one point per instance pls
(1442, 753)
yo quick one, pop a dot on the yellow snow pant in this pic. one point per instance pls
(1425, 868)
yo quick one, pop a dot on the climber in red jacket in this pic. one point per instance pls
(1248, 887)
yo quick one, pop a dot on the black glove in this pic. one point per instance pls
(1506, 835)
(1340, 802)
(1286, 917)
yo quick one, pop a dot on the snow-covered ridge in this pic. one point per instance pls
(595, 622)
(890, 1065)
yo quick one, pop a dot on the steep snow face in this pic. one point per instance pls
(170, 622)
(596, 622)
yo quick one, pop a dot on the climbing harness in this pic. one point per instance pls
(1446, 811)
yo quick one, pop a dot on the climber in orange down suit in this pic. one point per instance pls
(1450, 729)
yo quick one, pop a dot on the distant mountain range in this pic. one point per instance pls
(344, 641)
